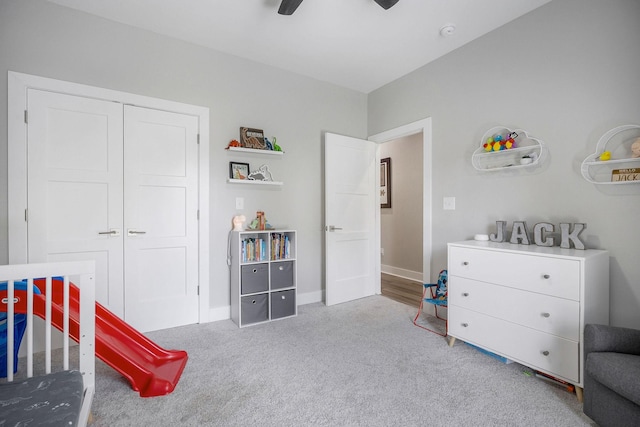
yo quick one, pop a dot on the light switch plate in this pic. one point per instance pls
(239, 202)
(449, 203)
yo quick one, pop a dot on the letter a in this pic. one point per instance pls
(519, 233)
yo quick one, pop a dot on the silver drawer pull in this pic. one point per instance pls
(465, 294)
(283, 297)
(545, 314)
(255, 270)
(110, 232)
(280, 268)
(546, 276)
(465, 263)
(464, 325)
(545, 353)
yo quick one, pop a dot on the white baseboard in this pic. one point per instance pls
(401, 272)
(310, 297)
(219, 313)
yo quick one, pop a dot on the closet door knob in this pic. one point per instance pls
(465, 263)
(465, 294)
(464, 325)
(546, 314)
(545, 353)
(546, 276)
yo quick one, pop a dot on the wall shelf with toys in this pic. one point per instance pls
(503, 148)
(617, 158)
(252, 142)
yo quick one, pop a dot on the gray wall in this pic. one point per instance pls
(401, 225)
(40, 38)
(566, 72)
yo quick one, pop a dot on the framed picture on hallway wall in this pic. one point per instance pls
(385, 182)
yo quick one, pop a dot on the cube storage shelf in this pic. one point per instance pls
(263, 276)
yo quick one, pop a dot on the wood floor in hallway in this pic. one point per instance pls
(402, 290)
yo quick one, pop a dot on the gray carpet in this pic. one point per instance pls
(361, 363)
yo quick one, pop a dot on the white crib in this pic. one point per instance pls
(82, 275)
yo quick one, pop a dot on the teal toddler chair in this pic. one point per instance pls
(438, 297)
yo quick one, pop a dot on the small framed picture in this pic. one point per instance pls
(385, 183)
(238, 170)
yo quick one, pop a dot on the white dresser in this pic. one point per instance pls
(528, 303)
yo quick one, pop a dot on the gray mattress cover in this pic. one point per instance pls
(48, 400)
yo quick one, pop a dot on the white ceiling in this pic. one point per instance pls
(352, 43)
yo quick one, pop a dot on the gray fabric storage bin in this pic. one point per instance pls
(254, 278)
(282, 275)
(255, 308)
(283, 304)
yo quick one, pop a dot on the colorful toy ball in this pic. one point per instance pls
(497, 138)
(487, 147)
(496, 146)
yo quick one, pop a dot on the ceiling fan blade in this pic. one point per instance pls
(287, 7)
(386, 4)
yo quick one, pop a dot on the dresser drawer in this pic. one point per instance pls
(532, 272)
(545, 313)
(529, 347)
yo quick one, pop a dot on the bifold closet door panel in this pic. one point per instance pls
(75, 182)
(160, 218)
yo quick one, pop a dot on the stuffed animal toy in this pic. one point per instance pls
(635, 148)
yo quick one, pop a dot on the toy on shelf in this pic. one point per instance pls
(499, 142)
(635, 149)
(234, 143)
(606, 155)
(261, 174)
(276, 147)
(260, 222)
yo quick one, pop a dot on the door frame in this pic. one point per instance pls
(424, 126)
(18, 85)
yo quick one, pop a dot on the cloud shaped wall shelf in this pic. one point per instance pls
(621, 166)
(527, 152)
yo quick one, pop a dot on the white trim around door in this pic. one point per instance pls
(423, 126)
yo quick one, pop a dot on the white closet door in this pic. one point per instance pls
(74, 173)
(161, 218)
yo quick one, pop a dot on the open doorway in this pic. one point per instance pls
(418, 133)
(401, 225)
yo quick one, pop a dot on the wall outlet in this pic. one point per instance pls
(449, 203)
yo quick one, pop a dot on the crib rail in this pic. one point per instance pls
(82, 275)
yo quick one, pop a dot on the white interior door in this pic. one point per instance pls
(161, 218)
(351, 200)
(74, 179)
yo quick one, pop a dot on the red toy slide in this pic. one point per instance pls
(151, 370)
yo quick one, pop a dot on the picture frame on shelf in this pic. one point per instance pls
(238, 170)
(385, 182)
(252, 138)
